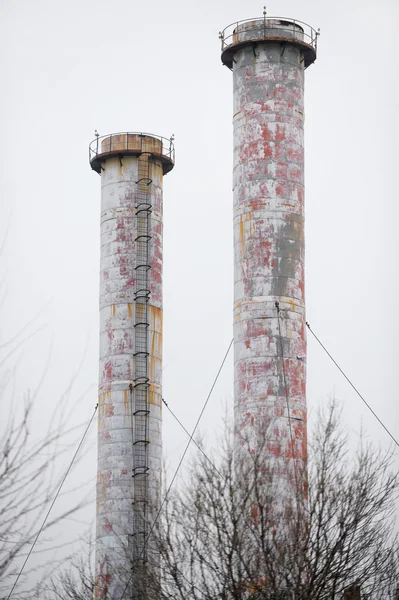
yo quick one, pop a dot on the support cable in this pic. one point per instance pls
(277, 305)
(181, 461)
(351, 384)
(194, 442)
(53, 502)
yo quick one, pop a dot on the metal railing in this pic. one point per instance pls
(264, 27)
(132, 141)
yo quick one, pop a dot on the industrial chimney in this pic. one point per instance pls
(132, 166)
(268, 57)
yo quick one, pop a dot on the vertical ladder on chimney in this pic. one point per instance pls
(141, 377)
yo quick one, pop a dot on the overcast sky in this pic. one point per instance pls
(69, 68)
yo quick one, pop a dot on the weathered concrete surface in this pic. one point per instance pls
(269, 258)
(258, 29)
(115, 483)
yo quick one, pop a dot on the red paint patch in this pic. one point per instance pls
(108, 370)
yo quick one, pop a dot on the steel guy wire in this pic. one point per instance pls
(53, 502)
(194, 442)
(180, 462)
(351, 384)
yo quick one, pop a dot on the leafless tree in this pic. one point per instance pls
(30, 475)
(225, 534)
(35, 450)
(76, 581)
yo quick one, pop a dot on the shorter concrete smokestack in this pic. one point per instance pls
(132, 166)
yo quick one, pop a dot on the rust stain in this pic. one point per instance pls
(156, 318)
(156, 327)
(130, 310)
(113, 310)
(156, 169)
(154, 396)
(152, 355)
(151, 365)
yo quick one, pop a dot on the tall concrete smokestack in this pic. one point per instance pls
(132, 166)
(268, 57)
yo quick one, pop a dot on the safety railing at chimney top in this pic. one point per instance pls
(271, 26)
(134, 141)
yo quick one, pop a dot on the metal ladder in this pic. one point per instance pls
(141, 379)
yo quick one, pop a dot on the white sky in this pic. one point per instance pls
(71, 67)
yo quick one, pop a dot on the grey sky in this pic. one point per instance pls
(71, 67)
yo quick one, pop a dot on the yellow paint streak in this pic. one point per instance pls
(242, 237)
(130, 310)
(126, 401)
(113, 310)
(103, 485)
(246, 301)
(251, 227)
(292, 303)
